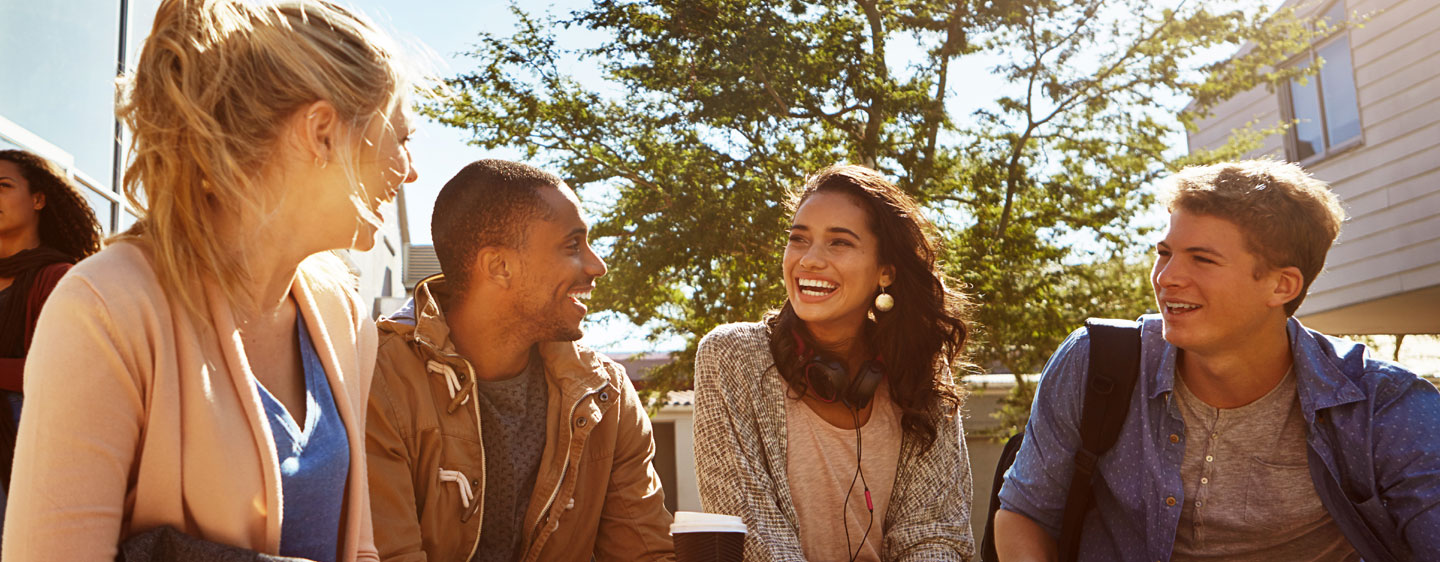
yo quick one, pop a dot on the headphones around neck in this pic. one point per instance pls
(835, 383)
(830, 380)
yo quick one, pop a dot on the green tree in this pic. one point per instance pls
(714, 109)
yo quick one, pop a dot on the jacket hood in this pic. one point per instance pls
(420, 318)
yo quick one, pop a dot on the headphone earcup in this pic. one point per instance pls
(833, 377)
(862, 387)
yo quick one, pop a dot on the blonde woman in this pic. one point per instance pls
(208, 370)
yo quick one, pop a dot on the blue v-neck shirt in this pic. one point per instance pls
(314, 462)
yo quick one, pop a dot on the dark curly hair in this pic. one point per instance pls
(67, 223)
(923, 333)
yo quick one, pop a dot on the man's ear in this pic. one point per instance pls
(1289, 282)
(494, 264)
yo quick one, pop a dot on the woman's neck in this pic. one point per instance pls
(14, 243)
(270, 261)
(847, 343)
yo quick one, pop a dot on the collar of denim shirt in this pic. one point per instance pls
(1320, 363)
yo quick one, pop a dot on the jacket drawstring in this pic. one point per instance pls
(467, 493)
(458, 394)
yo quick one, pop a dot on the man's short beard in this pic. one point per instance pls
(543, 325)
(564, 333)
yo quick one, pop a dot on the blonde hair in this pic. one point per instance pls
(213, 86)
(1288, 217)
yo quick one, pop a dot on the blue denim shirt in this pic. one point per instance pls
(1373, 430)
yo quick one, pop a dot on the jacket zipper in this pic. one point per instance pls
(564, 471)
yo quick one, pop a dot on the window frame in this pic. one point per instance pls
(1287, 101)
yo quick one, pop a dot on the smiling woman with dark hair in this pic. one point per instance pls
(832, 427)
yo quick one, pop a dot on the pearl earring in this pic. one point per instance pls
(883, 301)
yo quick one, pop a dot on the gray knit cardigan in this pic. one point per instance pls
(740, 453)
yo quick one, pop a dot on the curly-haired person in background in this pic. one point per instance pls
(45, 227)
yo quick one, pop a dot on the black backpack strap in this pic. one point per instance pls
(1114, 367)
(1007, 458)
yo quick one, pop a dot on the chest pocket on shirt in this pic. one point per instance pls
(1281, 496)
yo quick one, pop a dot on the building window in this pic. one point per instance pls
(1323, 107)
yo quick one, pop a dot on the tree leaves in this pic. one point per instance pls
(715, 109)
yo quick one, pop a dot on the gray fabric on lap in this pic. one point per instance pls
(165, 544)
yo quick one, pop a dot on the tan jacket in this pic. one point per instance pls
(137, 417)
(596, 492)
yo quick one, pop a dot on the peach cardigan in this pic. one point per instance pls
(136, 417)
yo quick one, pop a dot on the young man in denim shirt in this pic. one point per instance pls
(1249, 437)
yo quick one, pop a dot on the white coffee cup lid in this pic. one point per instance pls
(696, 522)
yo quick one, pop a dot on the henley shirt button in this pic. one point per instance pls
(1174, 438)
(1204, 480)
(580, 422)
(571, 504)
(1197, 504)
(1170, 501)
(1209, 458)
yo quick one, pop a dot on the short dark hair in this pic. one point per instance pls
(1288, 217)
(486, 204)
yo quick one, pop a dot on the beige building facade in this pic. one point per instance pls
(1369, 124)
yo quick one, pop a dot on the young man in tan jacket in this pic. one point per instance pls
(491, 435)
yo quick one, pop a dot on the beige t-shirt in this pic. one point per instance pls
(1248, 492)
(821, 467)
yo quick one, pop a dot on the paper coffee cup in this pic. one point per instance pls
(708, 537)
